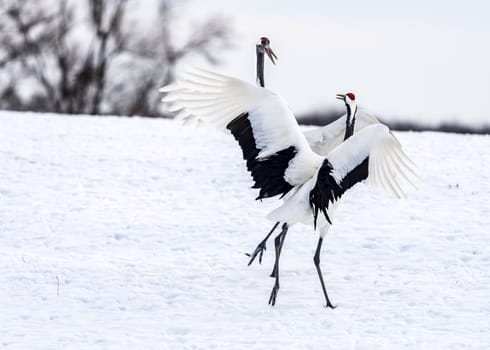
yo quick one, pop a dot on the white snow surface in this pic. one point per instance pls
(145, 223)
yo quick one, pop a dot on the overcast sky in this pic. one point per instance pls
(425, 60)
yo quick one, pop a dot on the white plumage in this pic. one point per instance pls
(279, 155)
(201, 94)
(214, 99)
(323, 139)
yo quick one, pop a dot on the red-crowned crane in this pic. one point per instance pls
(278, 155)
(321, 140)
(262, 47)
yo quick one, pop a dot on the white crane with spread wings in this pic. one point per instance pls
(278, 154)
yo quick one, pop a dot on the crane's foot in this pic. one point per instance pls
(258, 251)
(272, 298)
(330, 305)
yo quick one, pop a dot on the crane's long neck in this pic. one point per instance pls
(260, 65)
(350, 120)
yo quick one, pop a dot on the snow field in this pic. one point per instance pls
(145, 223)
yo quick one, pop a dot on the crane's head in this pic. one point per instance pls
(264, 42)
(348, 98)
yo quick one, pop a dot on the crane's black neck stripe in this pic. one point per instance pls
(260, 65)
(350, 121)
(349, 111)
(268, 173)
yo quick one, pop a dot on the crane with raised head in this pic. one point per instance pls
(279, 157)
(263, 47)
(321, 140)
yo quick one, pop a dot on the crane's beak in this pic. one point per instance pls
(340, 97)
(270, 53)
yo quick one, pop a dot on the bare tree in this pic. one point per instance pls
(90, 57)
(156, 53)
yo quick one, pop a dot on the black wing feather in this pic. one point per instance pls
(327, 190)
(267, 173)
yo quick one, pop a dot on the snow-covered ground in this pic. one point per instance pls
(120, 233)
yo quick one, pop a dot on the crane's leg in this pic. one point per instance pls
(282, 237)
(316, 259)
(261, 247)
(278, 241)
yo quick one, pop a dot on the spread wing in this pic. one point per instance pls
(323, 139)
(276, 151)
(374, 155)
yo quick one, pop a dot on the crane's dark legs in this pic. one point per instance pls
(261, 247)
(278, 242)
(316, 259)
(281, 238)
